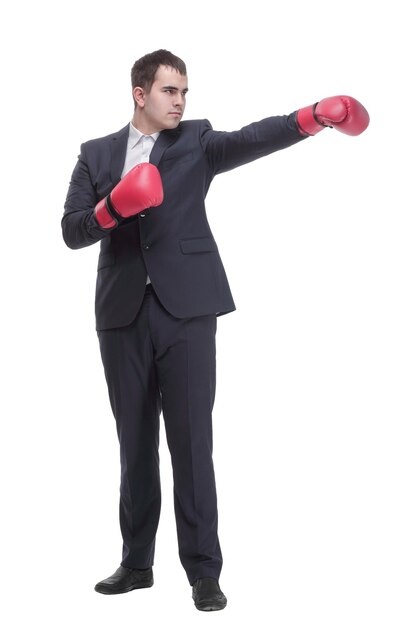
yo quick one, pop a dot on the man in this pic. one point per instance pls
(160, 287)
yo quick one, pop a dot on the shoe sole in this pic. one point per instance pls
(109, 592)
(206, 606)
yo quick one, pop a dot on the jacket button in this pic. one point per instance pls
(146, 246)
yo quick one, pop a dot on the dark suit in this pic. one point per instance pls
(158, 351)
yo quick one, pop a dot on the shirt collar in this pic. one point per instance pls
(135, 136)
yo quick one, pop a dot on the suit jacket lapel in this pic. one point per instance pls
(118, 149)
(165, 139)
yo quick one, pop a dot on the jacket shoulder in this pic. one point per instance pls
(106, 138)
(195, 124)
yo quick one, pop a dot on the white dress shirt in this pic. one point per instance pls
(139, 148)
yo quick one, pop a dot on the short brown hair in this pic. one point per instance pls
(144, 70)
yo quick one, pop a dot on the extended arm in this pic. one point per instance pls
(226, 150)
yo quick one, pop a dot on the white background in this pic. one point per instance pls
(315, 414)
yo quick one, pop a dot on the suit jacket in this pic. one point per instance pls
(172, 243)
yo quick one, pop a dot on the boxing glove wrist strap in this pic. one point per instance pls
(307, 121)
(105, 213)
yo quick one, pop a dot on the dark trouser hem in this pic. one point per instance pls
(203, 572)
(136, 565)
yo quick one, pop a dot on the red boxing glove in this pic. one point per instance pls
(140, 189)
(341, 112)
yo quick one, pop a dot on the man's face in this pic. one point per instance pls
(164, 105)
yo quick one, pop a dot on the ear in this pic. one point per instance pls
(139, 96)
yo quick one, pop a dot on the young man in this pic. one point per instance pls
(160, 287)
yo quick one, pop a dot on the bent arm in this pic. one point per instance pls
(79, 224)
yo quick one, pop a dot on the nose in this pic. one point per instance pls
(179, 100)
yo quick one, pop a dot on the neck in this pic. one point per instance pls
(143, 125)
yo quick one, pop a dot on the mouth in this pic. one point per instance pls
(177, 113)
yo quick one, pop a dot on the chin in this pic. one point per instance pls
(173, 122)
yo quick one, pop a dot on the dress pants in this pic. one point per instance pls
(162, 362)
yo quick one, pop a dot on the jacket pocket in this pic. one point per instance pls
(198, 244)
(105, 260)
(182, 158)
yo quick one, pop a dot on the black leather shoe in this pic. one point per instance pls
(207, 595)
(125, 579)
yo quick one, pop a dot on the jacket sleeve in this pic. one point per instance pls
(227, 150)
(79, 225)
